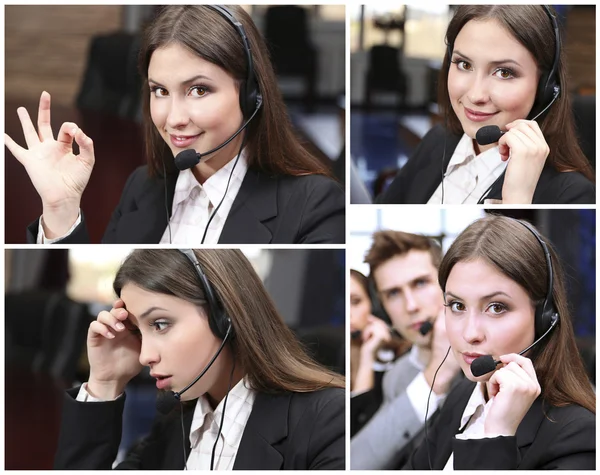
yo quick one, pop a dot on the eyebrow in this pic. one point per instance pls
(493, 63)
(485, 297)
(187, 81)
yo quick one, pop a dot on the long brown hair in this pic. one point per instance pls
(269, 353)
(530, 26)
(512, 249)
(271, 144)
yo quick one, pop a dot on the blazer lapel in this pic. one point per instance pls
(430, 177)
(148, 222)
(255, 203)
(266, 426)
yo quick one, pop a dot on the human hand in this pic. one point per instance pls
(57, 174)
(439, 348)
(514, 388)
(113, 352)
(374, 336)
(525, 145)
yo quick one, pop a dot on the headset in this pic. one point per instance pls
(548, 91)
(250, 98)
(546, 318)
(220, 325)
(218, 320)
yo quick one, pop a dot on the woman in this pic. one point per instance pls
(208, 87)
(205, 312)
(534, 411)
(504, 67)
(373, 346)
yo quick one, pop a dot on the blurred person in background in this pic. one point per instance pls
(404, 269)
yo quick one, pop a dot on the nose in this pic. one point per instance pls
(478, 91)
(410, 301)
(148, 354)
(178, 116)
(473, 332)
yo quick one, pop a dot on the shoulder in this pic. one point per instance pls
(570, 415)
(310, 183)
(564, 187)
(319, 400)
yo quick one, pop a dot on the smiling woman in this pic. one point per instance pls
(504, 290)
(504, 73)
(203, 323)
(224, 165)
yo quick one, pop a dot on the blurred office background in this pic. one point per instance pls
(85, 56)
(572, 232)
(52, 295)
(396, 54)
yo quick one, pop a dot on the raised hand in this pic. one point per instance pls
(113, 348)
(58, 175)
(525, 145)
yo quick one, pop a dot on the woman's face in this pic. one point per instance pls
(360, 306)
(486, 314)
(493, 78)
(194, 104)
(176, 340)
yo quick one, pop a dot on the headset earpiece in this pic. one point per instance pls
(218, 320)
(250, 98)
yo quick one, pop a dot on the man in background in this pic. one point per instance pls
(404, 269)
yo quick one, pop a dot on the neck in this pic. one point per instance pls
(479, 149)
(222, 387)
(210, 164)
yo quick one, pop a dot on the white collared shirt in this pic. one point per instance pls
(418, 391)
(205, 426)
(474, 416)
(469, 175)
(193, 204)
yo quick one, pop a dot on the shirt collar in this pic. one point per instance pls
(465, 152)
(476, 401)
(241, 399)
(214, 187)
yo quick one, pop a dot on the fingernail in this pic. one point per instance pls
(122, 313)
(109, 335)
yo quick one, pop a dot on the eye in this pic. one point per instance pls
(390, 294)
(456, 306)
(504, 73)
(463, 65)
(497, 308)
(421, 283)
(159, 91)
(160, 325)
(200, 91)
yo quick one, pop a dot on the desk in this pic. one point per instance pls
(119, 149)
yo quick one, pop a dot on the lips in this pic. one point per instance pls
(162, 381)
(470, 357)
(478, 116)
(183, 141)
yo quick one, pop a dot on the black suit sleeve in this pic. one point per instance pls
(327, 445)
(90, 433)
(396, 193)
(578, 190)
(78, 236)
(323, 214)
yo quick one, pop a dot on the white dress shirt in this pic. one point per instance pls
(418, 390)
(205, 427)
(193, 204)
(474, 416)
(469, 175)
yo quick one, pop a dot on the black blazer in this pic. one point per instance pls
(290, 431)
(564, 438)
(418, 179)
(267, 210)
